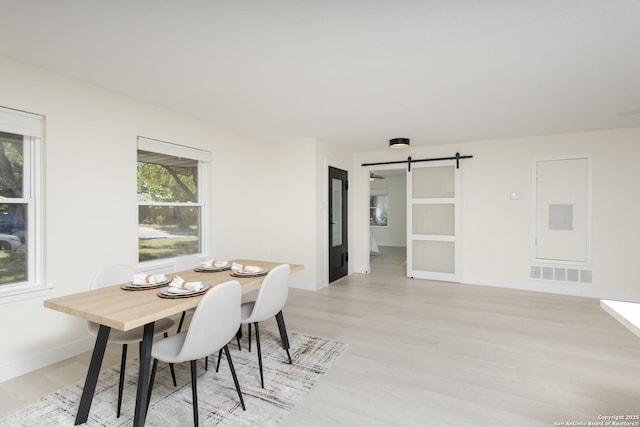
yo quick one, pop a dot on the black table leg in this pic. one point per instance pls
(143, 376)
(92, 374)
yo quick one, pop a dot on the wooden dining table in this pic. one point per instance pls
(115, 307)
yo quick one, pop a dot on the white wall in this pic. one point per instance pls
(497, 232)
(91, 212)
(298, 197)
(293, 208)
(395, 234)
(92, 221)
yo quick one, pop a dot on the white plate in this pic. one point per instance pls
(172, 290)
(143, 285)
(176, 291)
(249, 273)
(204, 267)
(209, 267)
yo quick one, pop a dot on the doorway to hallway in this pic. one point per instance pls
(390, 259)
(388, 220)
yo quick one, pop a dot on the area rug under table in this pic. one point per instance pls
(285, 386)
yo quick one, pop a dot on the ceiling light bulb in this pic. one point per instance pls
(397, 143)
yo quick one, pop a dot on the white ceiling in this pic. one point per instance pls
(353, 73)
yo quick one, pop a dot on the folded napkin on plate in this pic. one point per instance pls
(148, 279)
(179, 282)
(245, 268)
(214, 263)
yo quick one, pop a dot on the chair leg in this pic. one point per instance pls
(184, 313)
(152, 379)
(123, 363)
(233, 374)
(238, 336)
(206, 363)
(194, 391)
(249, 337)
(219, 359)
(173, 371)
(259, 353)
(283, 334)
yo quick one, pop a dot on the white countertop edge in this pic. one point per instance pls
(627, 313)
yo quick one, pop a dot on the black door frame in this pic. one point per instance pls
(338, 255)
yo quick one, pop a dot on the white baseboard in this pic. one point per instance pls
(33, 362)
(563, 288)
(307, 286)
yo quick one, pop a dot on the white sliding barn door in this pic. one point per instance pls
(433, 219)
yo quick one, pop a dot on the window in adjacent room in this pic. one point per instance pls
(378, 208)
(171, 181)
(20, 242)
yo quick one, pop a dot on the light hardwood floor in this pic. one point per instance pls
(425, 353)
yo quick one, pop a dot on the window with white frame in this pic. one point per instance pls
(20, 218)
(171, 208)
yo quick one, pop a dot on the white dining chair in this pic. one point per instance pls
(113, 275)
(189, 262)
(214, 323)
(271, 298)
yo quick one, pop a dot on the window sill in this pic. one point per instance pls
(23, 293)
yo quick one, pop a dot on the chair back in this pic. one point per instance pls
(214, 323)
(108, 276)
(112, 275)
(272, 295)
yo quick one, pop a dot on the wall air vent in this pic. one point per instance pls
(535, 272)
(585, 276)
(573, 275)
(560, 274)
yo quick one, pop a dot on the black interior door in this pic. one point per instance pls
(338, 249)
